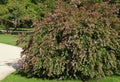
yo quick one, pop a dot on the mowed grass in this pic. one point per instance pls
(8, 39)
(107, 79)
(16, 77)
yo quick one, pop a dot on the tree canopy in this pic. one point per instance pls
(15, 12)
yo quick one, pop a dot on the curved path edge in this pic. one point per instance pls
(9, 55)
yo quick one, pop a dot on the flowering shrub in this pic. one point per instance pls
(74, 43)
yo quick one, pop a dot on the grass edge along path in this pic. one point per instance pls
(8, 39)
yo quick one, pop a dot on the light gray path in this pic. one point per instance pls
(10, 31)
(8, 59)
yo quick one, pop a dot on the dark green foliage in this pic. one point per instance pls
(35, 1)
(15, 11)
(3, 1)
(74, 42)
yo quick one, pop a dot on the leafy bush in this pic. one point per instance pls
(74, 43)
(3, 1)
(2, 27)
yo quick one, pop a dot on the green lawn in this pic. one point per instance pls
(15, 77)
(107, 79)
(8, 39)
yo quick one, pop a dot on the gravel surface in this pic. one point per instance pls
(8, 59)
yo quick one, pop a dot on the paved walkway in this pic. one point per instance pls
(10, 31)
(8, 58)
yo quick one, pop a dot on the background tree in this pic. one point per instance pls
(17, 13)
